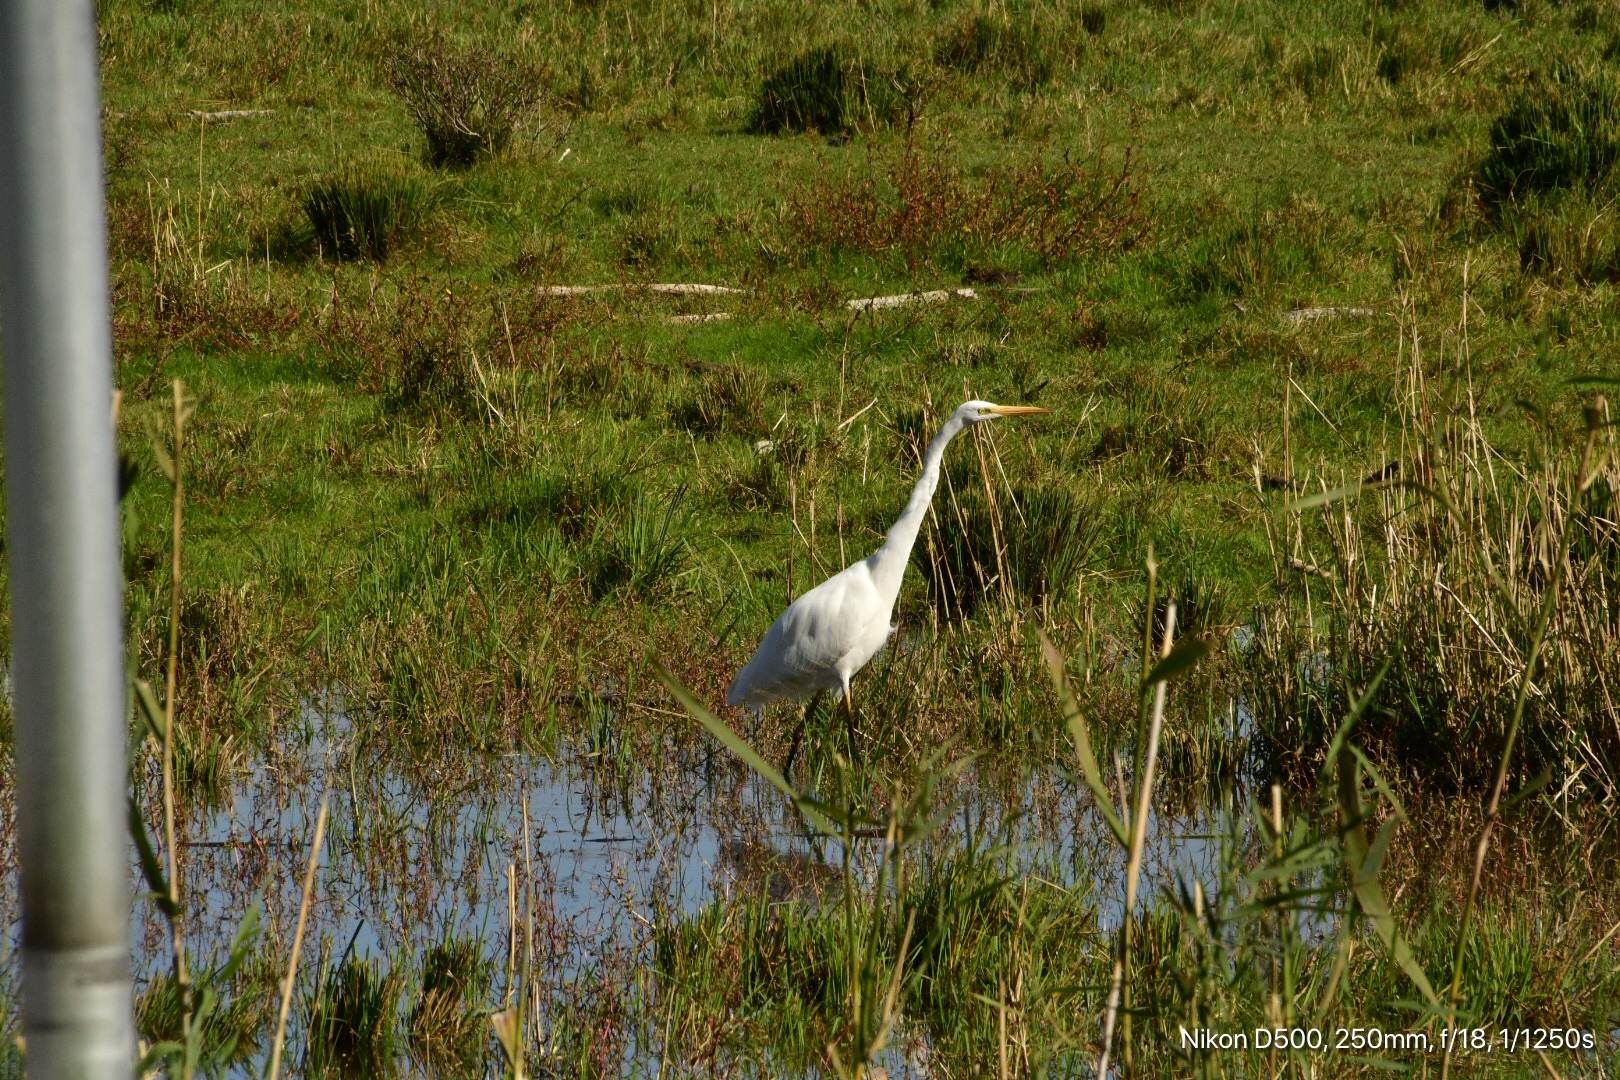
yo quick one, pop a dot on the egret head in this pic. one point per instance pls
(977, 412)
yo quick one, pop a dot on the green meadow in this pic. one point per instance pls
(1322, 299)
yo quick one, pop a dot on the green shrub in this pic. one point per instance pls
(365, 209)
(467, 102)
(1561, 134)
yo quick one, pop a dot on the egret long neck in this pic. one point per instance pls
(890, 560)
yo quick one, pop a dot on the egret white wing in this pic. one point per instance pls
(799, 654)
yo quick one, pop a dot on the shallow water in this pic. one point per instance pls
(604, 852)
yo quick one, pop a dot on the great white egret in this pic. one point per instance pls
(828, 634)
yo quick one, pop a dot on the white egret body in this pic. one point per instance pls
(832, 631)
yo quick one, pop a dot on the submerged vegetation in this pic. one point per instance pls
(521, 349)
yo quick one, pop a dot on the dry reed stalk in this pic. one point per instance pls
(1138, 826)
(530, 1000)
(298, 937)
(182, 981)
(1494, 806)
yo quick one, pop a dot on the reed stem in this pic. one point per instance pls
(298, 938)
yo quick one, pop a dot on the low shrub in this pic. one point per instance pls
(917, 203)
(467, 102)
(1444, 575)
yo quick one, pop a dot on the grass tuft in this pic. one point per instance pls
(808, 93)
(446, 1028)
(1045, 540)
(645, 547)
(352, 1022)
(1572, 242)
(1016, 47)
(1561, 133)
(365, 209)
(828, 91)
(731, 399)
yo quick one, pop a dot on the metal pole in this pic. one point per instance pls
(62, 542)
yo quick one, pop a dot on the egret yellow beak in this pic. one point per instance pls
(1016, 410)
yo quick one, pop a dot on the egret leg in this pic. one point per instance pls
(798, 736)
(849, 723)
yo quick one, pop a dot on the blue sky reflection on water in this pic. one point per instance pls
(411, 859)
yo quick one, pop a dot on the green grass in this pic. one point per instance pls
(421, 477)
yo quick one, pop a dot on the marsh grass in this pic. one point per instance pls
(1258, 254)
(1289, 924)
(414, 481)
(352, 1019)
(366, 209)
(809, 92)
(1446, 586)
(446, 1025)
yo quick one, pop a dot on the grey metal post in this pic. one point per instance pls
(62, 542)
